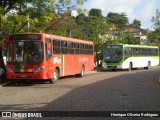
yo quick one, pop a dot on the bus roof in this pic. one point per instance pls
(139, 46)
(57, 37)
(68, 39)
(136, 46)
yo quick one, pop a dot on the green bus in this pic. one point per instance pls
(126, 56)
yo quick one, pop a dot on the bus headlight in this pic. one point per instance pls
(9, 69)
(40, 69)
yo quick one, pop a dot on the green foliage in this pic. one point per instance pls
(63, 5)
(95, 12)
(44, 16)
(44, 6)
(120, 20)
(80, 19)
(154, 37)
(124, 38)
(93, 28)
(128, 38)
(137, 23)
(65, 27)
(156, 20)
(112, 41)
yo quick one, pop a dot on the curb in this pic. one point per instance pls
(90, 72)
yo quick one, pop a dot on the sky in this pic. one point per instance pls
(142, 10)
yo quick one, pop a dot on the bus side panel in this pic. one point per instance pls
(73, 63)
(155, 61)
(90, 63)
(68, 61)
(77, 64)
(87, 61)
(140, 62)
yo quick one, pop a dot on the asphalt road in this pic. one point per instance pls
(138, 90)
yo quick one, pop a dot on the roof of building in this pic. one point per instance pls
(134, 29)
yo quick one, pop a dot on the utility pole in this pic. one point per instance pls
(28, 23)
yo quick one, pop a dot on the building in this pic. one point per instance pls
(137, 31)
(68, 13)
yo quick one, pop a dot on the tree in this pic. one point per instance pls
(80, 19)
(10, 4)
(124, 38)
(137, 23)
(95, 12)
(156, 20)
(94, 29)
(154, 37)
(38, 16)
(65, 27)
(63, 5)
(120, 20)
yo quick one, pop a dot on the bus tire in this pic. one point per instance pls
(148, 66)
(55, 77)
(82, 72)
(130, 66)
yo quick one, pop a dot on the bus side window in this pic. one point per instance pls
(144, 51)
(70, 49)
(56, 47)
(147, 52)
(64, 47)
(48, 48)
(134, 51)
(86, 49)
(126, 52)
(81, 48)
(156, 52)
(139, 51)
(76, 47)
(91, 49)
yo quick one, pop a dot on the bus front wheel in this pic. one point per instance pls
(55, 77)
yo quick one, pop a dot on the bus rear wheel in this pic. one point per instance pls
(55, 77)
(149, 65)
(82, 72)
(130, 67)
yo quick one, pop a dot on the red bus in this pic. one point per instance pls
(40, 56)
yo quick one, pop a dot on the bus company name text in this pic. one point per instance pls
(82, 59)
(56, 61)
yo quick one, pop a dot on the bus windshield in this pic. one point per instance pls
(25, 52)
(113, 53)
